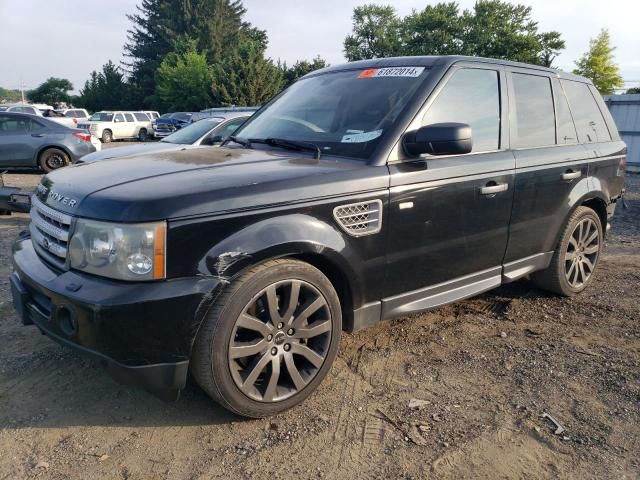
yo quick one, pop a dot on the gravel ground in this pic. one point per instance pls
(457, 392)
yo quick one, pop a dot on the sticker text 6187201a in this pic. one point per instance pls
(391, 72)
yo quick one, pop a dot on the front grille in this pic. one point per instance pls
(49, 228)
(358, 219)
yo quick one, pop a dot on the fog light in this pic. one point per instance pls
(139, 264)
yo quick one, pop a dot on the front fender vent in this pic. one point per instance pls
(358, 219)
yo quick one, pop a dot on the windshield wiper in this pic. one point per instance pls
(289, 144)
(233, 138)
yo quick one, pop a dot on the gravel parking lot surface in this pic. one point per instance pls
(457, 392)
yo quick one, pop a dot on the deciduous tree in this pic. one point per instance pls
(183, 81)
(52, 91)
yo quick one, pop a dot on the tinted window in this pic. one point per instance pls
(566, 128)
(102, 117)
(141, 117)
(470, 96)
(343, 113)
(129, 117)
(589, 121)
(119, 118)
(534, 118)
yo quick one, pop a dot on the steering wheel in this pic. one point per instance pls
(311, 126)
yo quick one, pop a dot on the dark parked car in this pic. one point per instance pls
(28, 141)
(207, 132)
(170, 122)
(363, 192)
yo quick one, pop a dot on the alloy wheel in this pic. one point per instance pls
(582, 253)
(280, 341)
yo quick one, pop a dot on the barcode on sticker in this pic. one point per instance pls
(391, 72)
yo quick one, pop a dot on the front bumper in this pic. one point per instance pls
(141, 332)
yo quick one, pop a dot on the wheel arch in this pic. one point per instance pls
(594, 200)
(298, 236)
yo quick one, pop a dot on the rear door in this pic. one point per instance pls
(449, 215)
(598, 132)
(551, 167)
(131, 126)
(20, 140)
(119, 127)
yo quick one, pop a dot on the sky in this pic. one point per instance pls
(70, 38)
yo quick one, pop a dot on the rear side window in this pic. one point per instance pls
(471, 96)
(141, 117)
(119, 118)
(535, 124)
(129, 117)
(566, 129)
(586, 114)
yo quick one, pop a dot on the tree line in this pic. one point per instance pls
(192, 54)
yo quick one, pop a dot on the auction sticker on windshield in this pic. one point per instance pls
(391, 72)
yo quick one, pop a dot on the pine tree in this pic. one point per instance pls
(598, 65)
(215, 25)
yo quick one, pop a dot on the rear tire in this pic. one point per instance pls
(143, 136)
(574, 262)
(52, 159)
(269, 340)
(107, 136)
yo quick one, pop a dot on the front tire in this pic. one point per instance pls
(269, 340)
(576, 258)
(52, 159)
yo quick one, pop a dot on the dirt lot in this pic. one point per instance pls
(485, 371)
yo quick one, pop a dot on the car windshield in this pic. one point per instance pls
(189, 134)
(3, 108)
(182, 116)
(343, 113)
(101, 117)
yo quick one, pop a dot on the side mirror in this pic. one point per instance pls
(439, 139)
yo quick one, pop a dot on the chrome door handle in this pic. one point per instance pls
(493, 189)
(569, 175)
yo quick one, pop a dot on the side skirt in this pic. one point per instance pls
(447, 292)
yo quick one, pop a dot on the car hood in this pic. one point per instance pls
(202, 181)
(141, 149)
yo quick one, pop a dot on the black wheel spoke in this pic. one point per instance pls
(288, 321)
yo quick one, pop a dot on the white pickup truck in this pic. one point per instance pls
(109, 126)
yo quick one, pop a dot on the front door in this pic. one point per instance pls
(449, 215)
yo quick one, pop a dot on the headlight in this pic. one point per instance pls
(119, 250)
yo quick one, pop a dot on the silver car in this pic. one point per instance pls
(211, 131)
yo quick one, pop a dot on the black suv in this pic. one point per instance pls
(363, 192)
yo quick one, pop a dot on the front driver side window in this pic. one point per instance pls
(471, 96)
